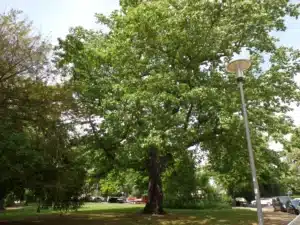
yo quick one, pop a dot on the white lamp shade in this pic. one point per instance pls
(242, 64)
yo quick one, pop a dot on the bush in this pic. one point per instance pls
(136, 193)
(179, 180)
(187, 187)
(226, 199)
(196, 204)
(67, 205)
(10, 200)
(29, 196)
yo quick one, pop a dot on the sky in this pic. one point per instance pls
(53, 18)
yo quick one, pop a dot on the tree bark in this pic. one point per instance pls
(2, 197)
(154, 204)
(2, 204)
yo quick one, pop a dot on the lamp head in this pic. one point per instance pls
(238, 65)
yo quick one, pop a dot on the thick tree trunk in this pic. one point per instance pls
(2, 204)
(2, 197)
(155, 193)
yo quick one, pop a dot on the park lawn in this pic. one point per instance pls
(125, 214)
(30, 211)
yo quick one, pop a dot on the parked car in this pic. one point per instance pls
(293, 206)
(97, 199)
(116, 200)
(263, 201)
(280, 203)
(241, 202)
(134, 200)
(121, 199)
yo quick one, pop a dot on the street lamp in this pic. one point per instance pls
(239, 66)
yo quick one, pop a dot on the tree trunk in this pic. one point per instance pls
(2, 197)
(38, 209)
(2, 204)
(155, 193)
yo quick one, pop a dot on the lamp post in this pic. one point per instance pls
(239, 66)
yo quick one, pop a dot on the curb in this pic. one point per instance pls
(295, 221)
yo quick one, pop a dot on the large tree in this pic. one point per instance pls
(158, 80)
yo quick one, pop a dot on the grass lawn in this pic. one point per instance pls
(125, 214)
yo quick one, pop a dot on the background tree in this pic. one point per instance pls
(179, 181)
(22, 50)
(35, 146)
(292, 176)
(127, 183)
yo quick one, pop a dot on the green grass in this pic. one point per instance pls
(22, 212)
(125, 214)
(30, 211)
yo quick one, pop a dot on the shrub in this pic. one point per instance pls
(10, 200)
(29, 196)
(179, 180)
(196, 204)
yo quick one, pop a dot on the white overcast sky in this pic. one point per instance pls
(54, 18)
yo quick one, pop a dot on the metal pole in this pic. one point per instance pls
(250, 150)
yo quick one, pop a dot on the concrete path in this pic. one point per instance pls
(296, 221)
(276, 218)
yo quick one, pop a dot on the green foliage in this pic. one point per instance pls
(35, 145)
(64, 185)
(197, 204)
(23, 57)
(186, 186)
(129, 182)
(29, 196)
(292, 176)
(179, 180)
(158, 80)
(10, 200)
(21, 49)
(112, 184)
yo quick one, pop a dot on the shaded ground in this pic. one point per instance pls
(108, 214)
(278, 218)
(274, 218)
